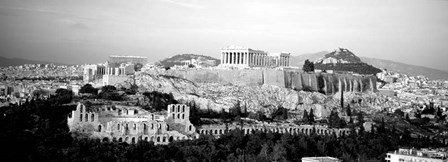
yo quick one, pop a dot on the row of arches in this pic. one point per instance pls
(179, 108)
(86, 117)
(156, 139)
(291, 130)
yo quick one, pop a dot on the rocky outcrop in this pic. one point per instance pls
(255, 98)
(294, 79)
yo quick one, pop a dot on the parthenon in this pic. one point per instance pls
(246, 57)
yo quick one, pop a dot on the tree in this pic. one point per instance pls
(138, 67)
(305, 117)
(63, 96)
(311, 117)
(308, 66)
(88, 88)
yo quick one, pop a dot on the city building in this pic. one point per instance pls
(124, 123)
(247, 57)
(423, 155)
(320, 159)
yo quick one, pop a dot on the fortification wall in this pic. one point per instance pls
(294, 79)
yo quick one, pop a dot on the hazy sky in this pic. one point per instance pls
(87, 31)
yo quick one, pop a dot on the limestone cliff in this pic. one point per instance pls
(222, 96)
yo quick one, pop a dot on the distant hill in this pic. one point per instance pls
(19, 61)
(180, 60)
(433, 74)
(299, 60)
(344, 60)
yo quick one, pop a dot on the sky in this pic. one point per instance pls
(88, 31)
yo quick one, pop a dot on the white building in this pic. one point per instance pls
(245, 57)
(411, 155)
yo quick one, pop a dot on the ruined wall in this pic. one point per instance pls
(294, 79)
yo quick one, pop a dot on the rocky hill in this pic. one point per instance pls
(181, 59)
(394, 66)
(255, 98)
(344, 60)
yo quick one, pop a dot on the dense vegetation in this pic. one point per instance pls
(360, 68)
(37, 131)
(308, 66)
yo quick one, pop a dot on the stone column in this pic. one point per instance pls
(246, 58)
(231, 57)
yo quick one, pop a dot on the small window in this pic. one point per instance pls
(118, 127)
(92, 118)
(99, 128)
(87, 117)
(80, 117)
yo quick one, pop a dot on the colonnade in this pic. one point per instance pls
(253, 59)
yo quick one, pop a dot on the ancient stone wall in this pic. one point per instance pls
(294, 79)
(218, 130)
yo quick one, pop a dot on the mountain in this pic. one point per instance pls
(344, 60)
(393, 66)
(19, 61)
(298, 60)
(433, 74)
(183, 58)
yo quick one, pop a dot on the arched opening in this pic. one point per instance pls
(220, 131)
(135, 126)
(164, 139)
(99, 128)
(183, 108)
(145, 129)
(183, 116)
(92, 118)
(120, 139)
(158, 139)
(105, 139)
(119, 112)
(133, 140)
(216, 131)
(118, 126)
(190, 128)
(87, 117)
(146, 138)
(171, 139)
(174, 116)
(80, 117)
(178, 116)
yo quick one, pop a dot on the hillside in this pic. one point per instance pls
(344, 60)
(394, 66)
(19, 61)
(180, 60)
(433, 74)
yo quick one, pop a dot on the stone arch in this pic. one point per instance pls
(171, 139)
(118, 126)
(146, 138)
(190, 127)
(183, 116)
(145, 129)
(120, 139)
(133, 140)
(216, 131)
(99, 128)
(183, 108)
(105, 139)
(164, 139)
(92, 117)
(158, 138)
(220, 131)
